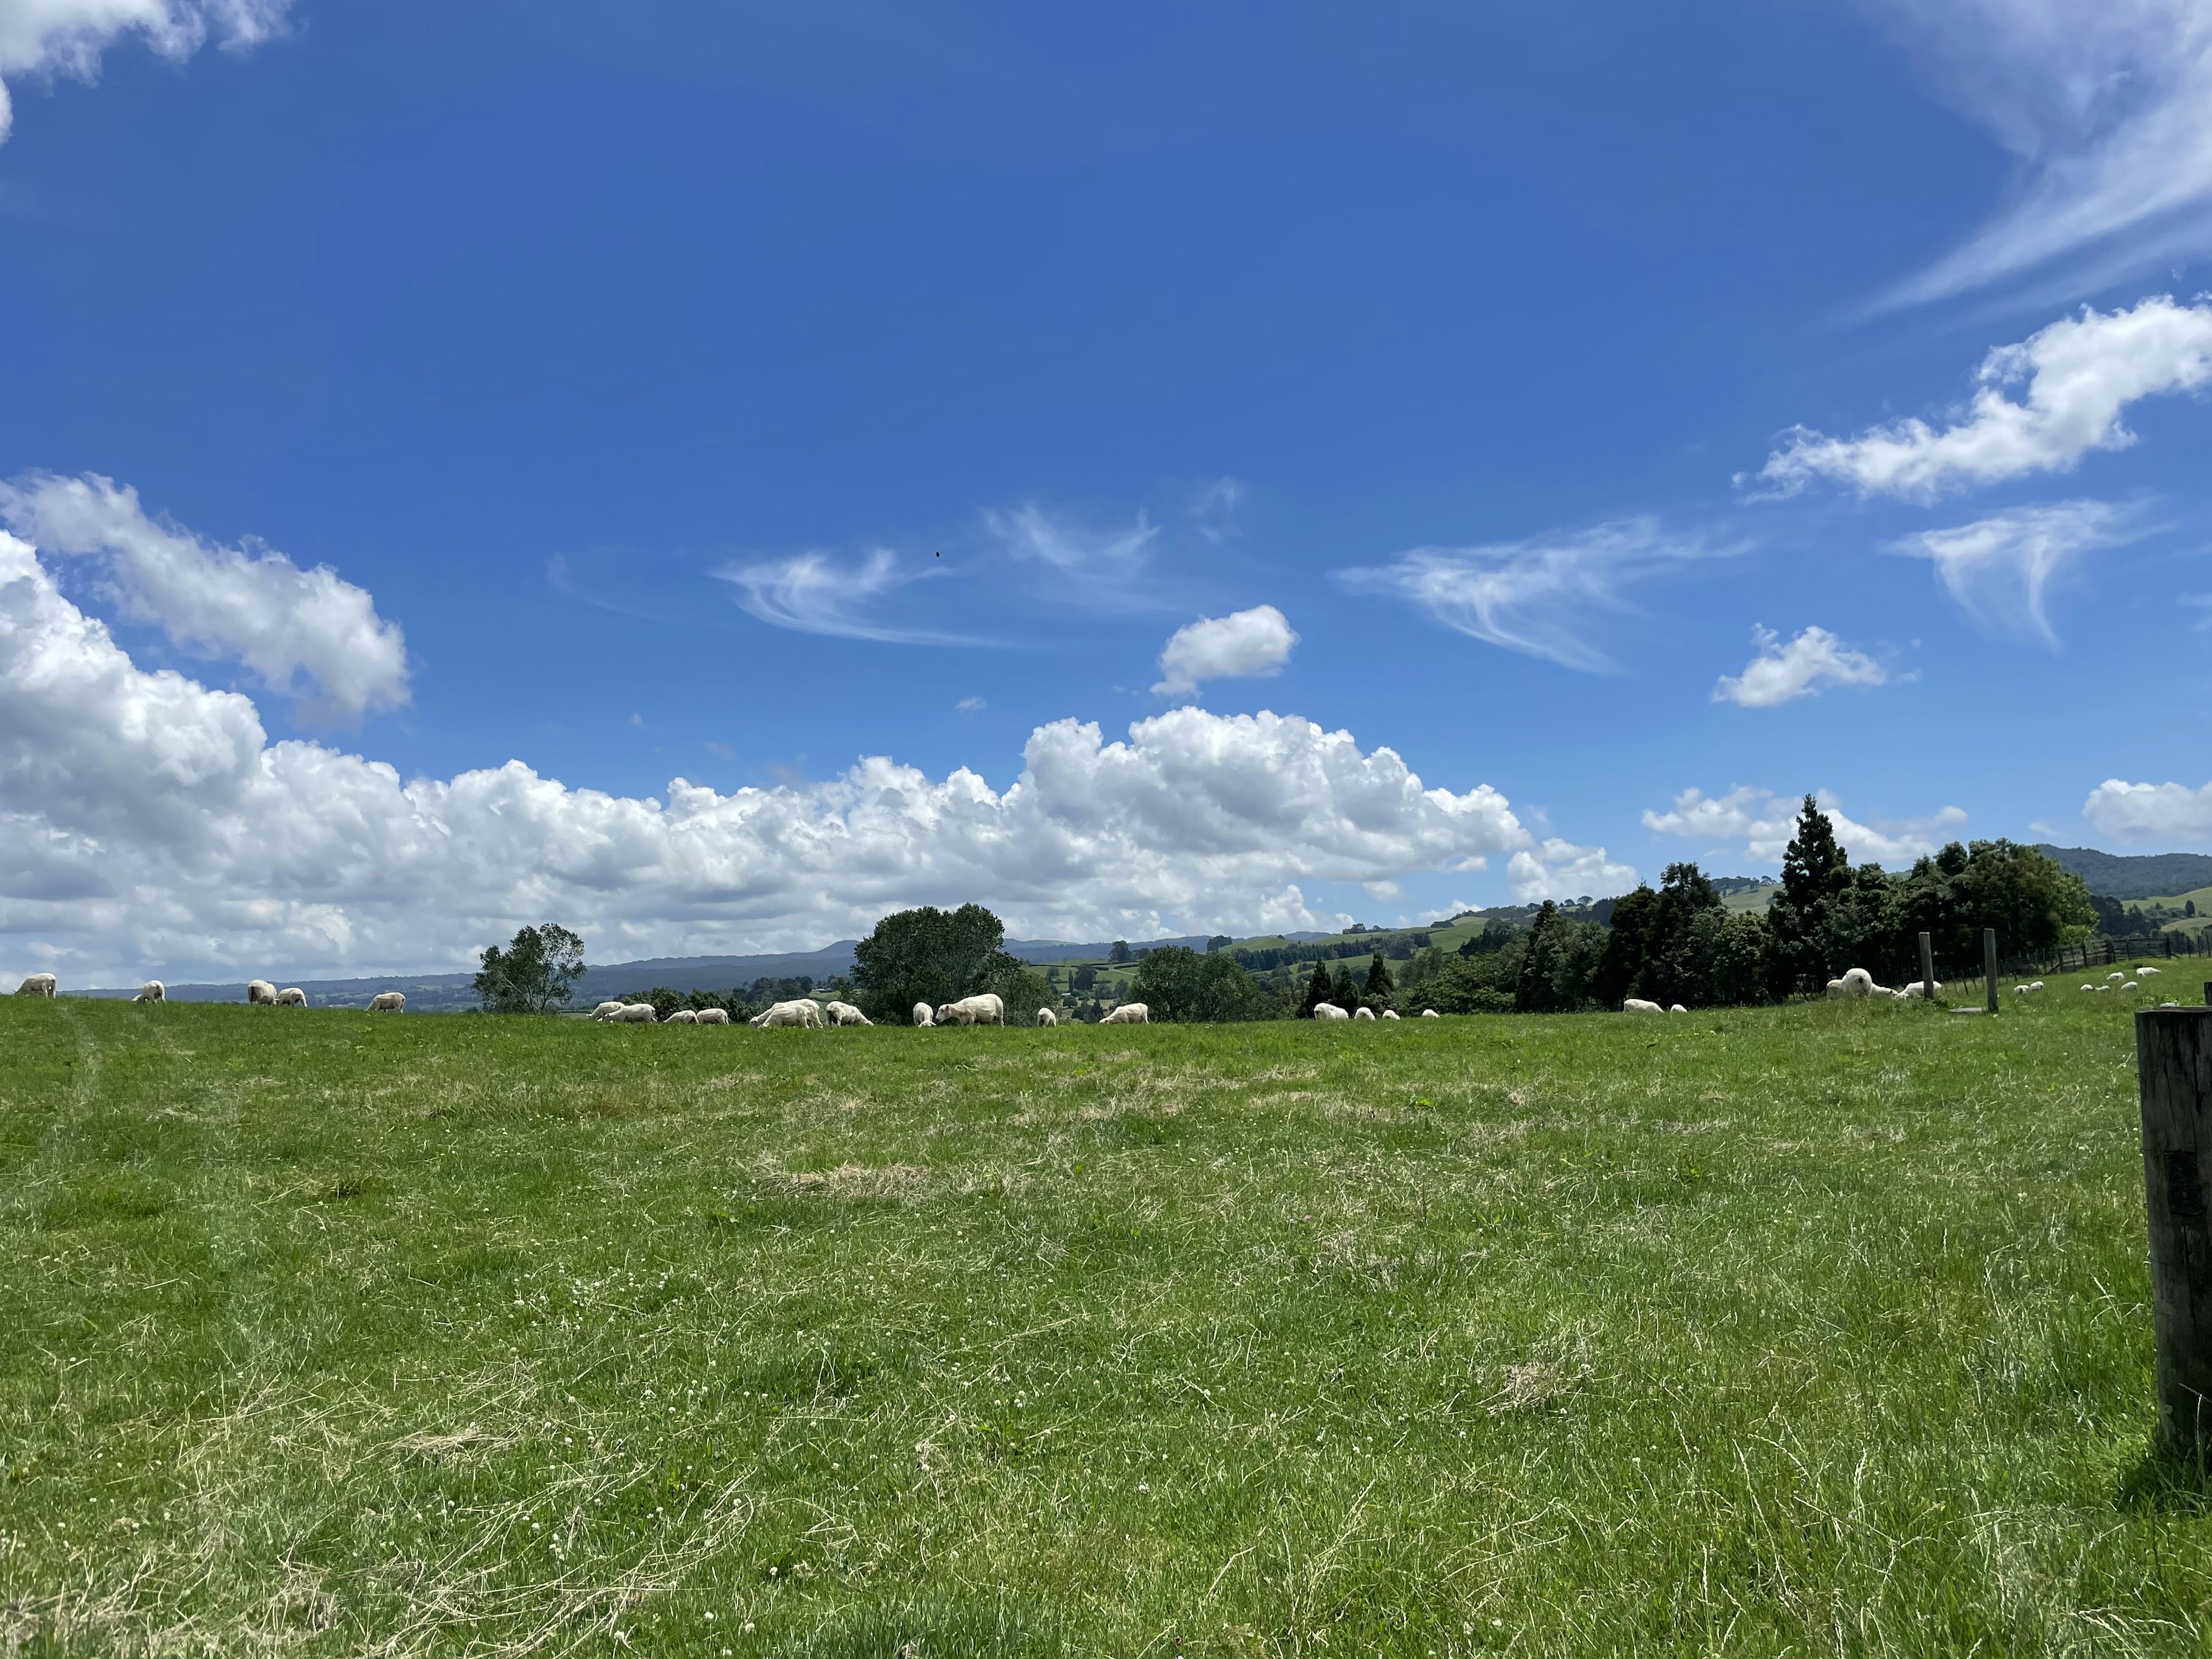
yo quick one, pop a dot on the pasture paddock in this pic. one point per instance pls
(1819, 1329)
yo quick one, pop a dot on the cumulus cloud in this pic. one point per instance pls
(1535, 597)
(2001, 567)
(2106, 105)
(67, 37)
(2080, 373)
(1560, 869)
(813, 593)
(2150, 811)
(305, 633)
(1804, 667)
(148, 825)
(1245, 645)
(1765, 823)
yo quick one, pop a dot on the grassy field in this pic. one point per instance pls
(1814, 1330)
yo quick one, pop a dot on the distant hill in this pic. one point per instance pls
(2149, 875)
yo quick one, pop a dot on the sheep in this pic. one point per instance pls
(2149, 973)
(2035, 985)
(260, 991)
(2114, 979)
(987, 1008)
(1363, 1013)
(1328, 1011)
(1678, 1009)
(844, 1013)
(2088, 988)
(922, 1014)
(2129, 985)
(713, 1017)
(1638, 1005)
(37, 985)
(291, 997)
(801, 1012)
(1046, 1017)
(1430, 1013)
(683, 1017)
(1918, 987)
(1389, 1013)
(2028, 989)
(606, 1011)
(388, 1002)
(152, 991)
(1129, 1013)
(635, 1013)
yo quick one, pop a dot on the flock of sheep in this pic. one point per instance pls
(987, 1009)
(260, 992)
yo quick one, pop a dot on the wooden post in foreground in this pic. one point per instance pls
(1927, 967)
(1989, 963)
(2173, 1067)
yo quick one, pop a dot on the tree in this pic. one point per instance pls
(538, 970)
(1317, 989)
(1558, 965)
(1176, 983)
(1083, 979)
(1379, 985)
(933, 955)
(1218, 942)
(1121, 952)
(1816, 873)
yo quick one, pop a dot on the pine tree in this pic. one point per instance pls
(1317, 988)
(1530, 992)
(1816, 873)
(1379, 985)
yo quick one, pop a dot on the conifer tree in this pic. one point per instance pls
(1317, 989)
(1379, 985)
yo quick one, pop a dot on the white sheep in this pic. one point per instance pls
(1430, 1013)
(800, 1010)
(259, 991)
(635, 1013)
(2088, 988)
(1046, 1017)
(923, 1014)
(1363, 1013)
(844, 1013)
(388, 1002)
(1638, 1005)
(291, 997)
(1389, 1013)
(2128, 985)
(37, 985)
(713, 1017)
(1129, 1013)
(2114, 979)
(987, 1008)
(683, 1017)
(1678, 1009)
(1919, 988)
(2149, 973)
(152, 991)
(1328, 1011)
(606, 1011)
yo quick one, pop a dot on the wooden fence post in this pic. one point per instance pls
(1989, 963)
(1927, 967)
(2174, 1065)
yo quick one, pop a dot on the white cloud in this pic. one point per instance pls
(1079, 562)
(2001, 567)
(1214, 509)
(305, 633)
(1765, 823)
(67, 37)
(812, 594)
(1535, 596)
(2150, 811)
(1782, 673)
(2080, 372)
(972, 705)
(1560, 869)
(1246, 645)
(2106, 104)
(150, 826)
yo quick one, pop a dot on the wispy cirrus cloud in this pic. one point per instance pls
(1081, 563)
(1539, 597)
(2108, 107)
(2001, 569)
(2079, 375)
(815, 592)
(1804, 667)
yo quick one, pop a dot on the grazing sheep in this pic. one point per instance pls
(1129, 1013)
(1678, 1009)
(2103, 987)
(713, 1017)
(606, 1011)
(2114, 979)
(2035, 985)
(1046, 1017)
(1363, 1013)
(800, 1011)
(388, 1002)
(844, 1013)
(1638, 1005)
(152, 991)
(987, 1008)
(1918, 987)
(2088, 988)
(37, 985)
(1329, 1010)
(682, 1016)
(2149, 973)
(922, 1014)
(2169, 1004)
(635, 1013)
(260, 991)
(1430, 1013)
(2128, 985)
(1389, 1013)
(291, 997)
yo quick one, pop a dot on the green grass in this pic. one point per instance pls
(1813, 1330)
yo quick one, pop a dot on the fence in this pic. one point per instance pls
(2095, 953)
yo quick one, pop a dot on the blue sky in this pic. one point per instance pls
(736, 394)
